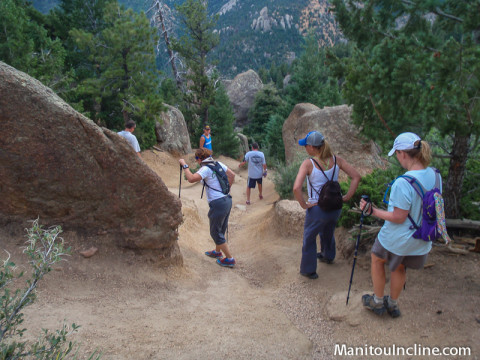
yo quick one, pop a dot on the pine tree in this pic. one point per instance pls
(267, 103)
(126, 85)
(221, 118)
(274, 138)
(194, 47)
(416, 68)
(25, 45)
(311, 79)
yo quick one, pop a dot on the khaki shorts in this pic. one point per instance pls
(410, 261)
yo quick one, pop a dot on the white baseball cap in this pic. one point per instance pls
(404, 141)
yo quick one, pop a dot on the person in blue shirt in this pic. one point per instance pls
(206, 139)
(395, 244)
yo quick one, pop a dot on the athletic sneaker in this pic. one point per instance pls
(394, 310)
(214, 254)
(226, 262)
(370, 304)
(321, 258)
(312, 276)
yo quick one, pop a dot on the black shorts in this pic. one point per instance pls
(252, 182)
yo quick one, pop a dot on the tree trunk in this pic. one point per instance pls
(159, 16)
(456, 173)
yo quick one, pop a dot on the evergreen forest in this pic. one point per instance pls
(408, 65)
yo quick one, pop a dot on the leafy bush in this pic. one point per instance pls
(285, 177)
(373, 185)
(44, 248)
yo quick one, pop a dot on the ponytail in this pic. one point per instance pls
(422, 152)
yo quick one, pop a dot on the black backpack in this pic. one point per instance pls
(221, 177)
(330, 197)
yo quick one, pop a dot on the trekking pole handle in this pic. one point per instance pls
(367, 210)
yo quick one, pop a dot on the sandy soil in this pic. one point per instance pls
(261, 309)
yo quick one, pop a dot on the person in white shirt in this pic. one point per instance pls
(132, 139)
(220, 204)
(320, 168)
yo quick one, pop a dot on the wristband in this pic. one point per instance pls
(185, 166)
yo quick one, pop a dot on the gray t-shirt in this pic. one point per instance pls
(132, 139)
(255, 160)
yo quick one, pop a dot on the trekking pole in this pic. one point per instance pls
(364, 214)
(180, 186)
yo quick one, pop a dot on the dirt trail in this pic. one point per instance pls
(261, 309)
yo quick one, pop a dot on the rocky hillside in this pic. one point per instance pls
(256, 33)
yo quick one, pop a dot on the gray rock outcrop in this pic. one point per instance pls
(241, 92)
(58, 165)
(289, 218)
(335, 124)
(172, 132)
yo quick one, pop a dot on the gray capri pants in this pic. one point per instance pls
(218, 216)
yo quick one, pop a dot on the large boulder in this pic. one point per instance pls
(172, 132)
(336, 125)
(289, 218)
(58, 165)
(241, 92)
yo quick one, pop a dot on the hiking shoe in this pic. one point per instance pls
(393, 311)
(226, 262)
(312, 276)
(370, 304)
(321, 258)
(214, 254)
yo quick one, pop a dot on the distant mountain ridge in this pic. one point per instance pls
(256, 33)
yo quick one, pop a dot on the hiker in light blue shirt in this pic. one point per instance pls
(395, 244)
(257, 167)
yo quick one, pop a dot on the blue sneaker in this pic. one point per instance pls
(226, 262)
(214, 254)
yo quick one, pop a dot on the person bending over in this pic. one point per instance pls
(220, 204)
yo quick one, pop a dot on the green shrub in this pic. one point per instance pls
(285, 177)
(373, 185)
(44, 248)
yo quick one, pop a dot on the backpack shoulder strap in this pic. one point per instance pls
(334, 166)
(420, 190)
(438, 178)
(211, 167)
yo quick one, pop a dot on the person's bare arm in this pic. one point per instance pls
(202, 141)
(191, 178)
(397, 216)
(353, 174)
(230, 176)
(297, 186)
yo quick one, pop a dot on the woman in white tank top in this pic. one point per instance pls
(318, 221)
